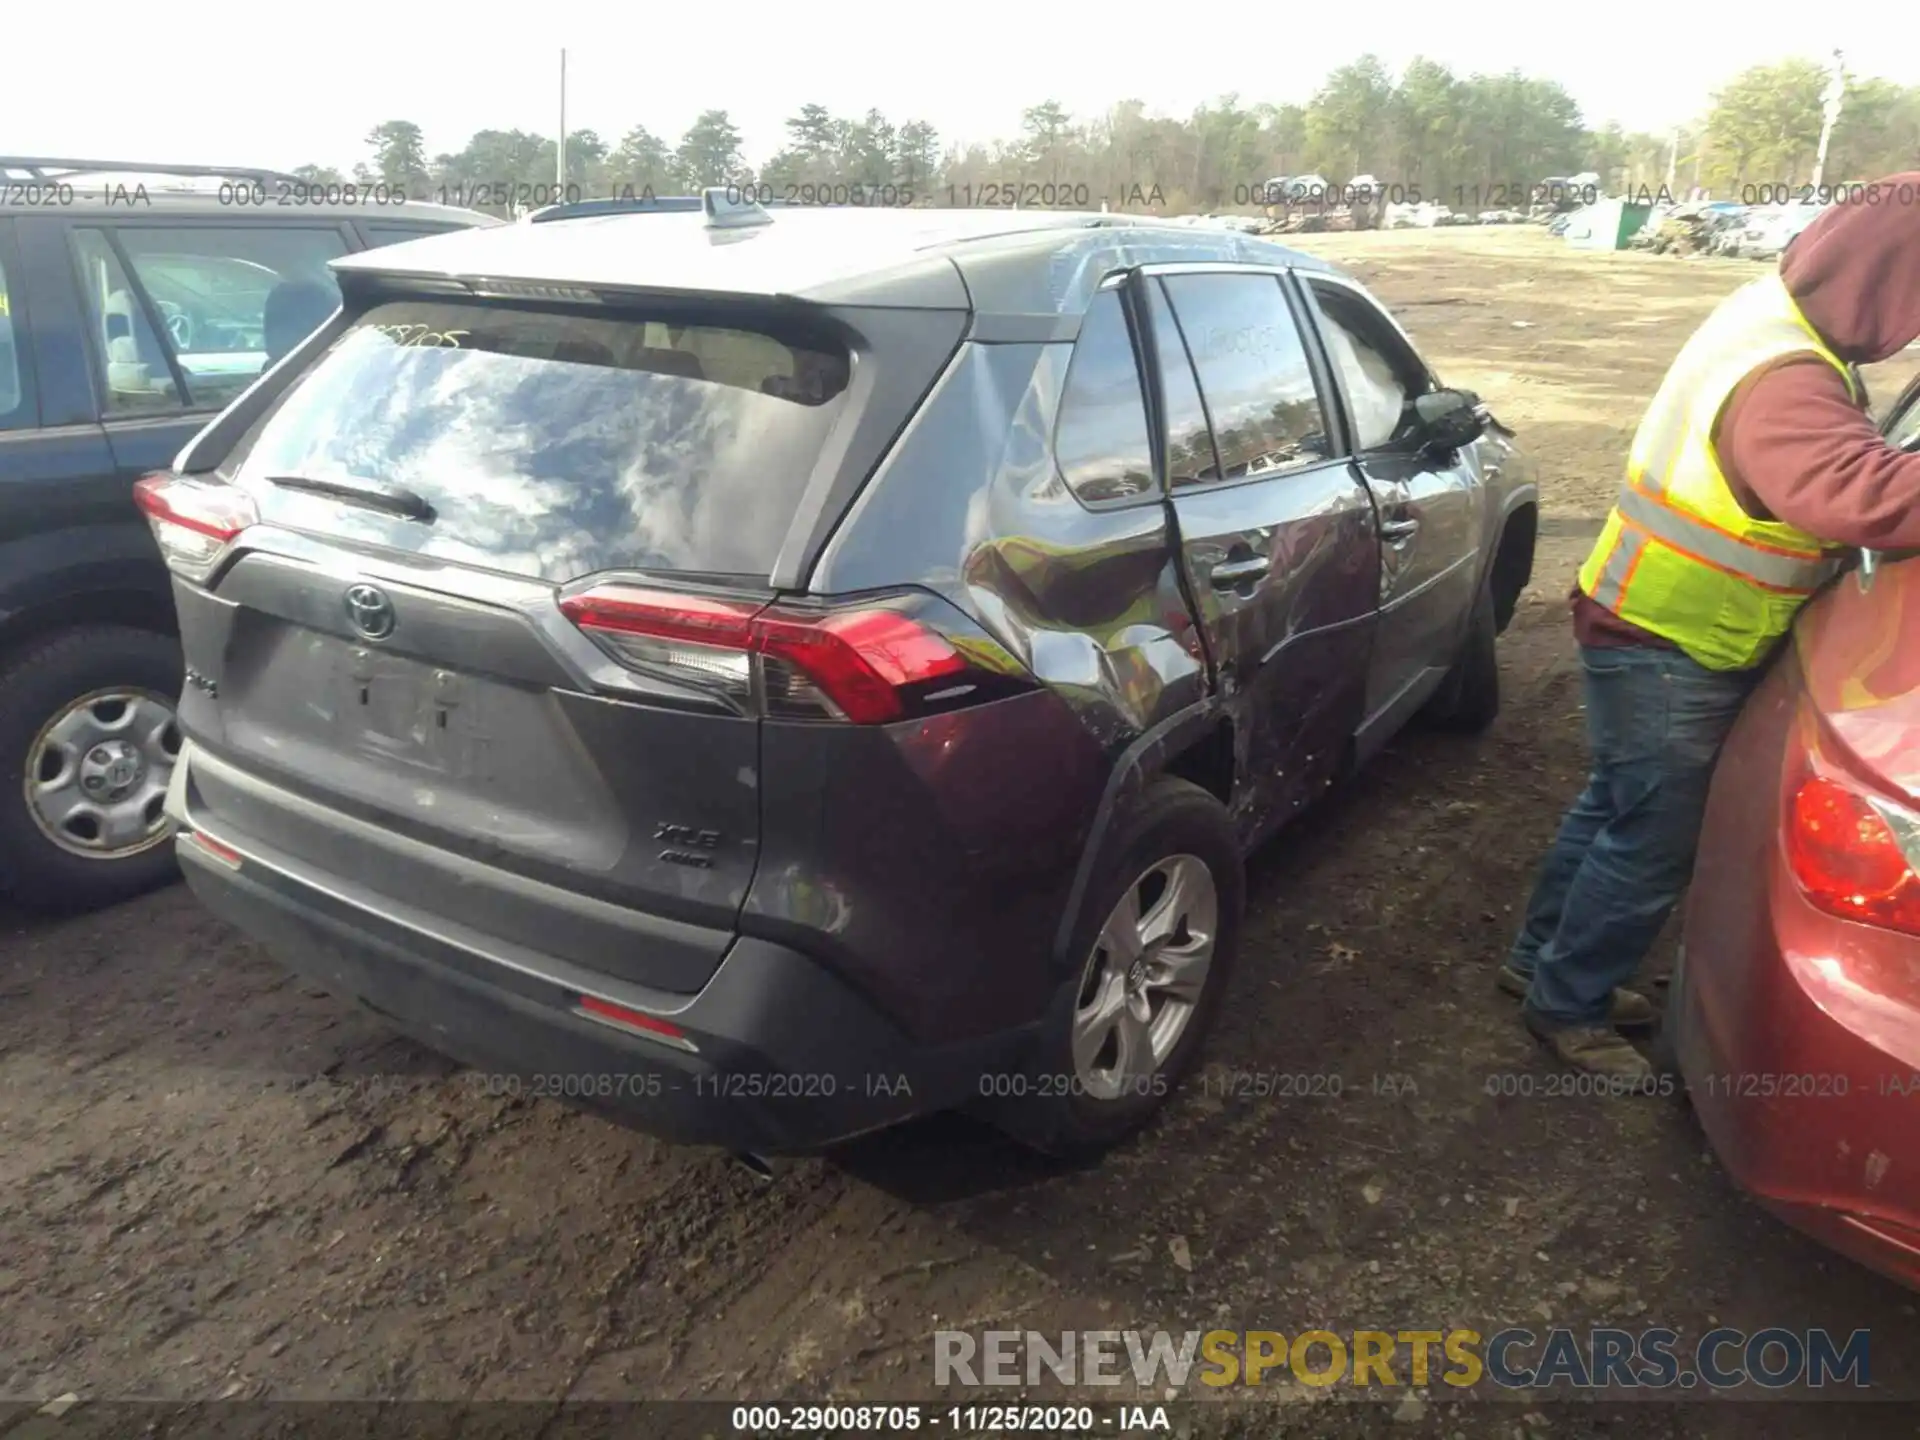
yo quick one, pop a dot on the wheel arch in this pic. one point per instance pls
(1198, 745)
(1512, 566)
(121, 605)
(90, 574)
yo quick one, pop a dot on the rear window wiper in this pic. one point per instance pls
(375, 494)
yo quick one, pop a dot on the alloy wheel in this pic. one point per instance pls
(1145, 977)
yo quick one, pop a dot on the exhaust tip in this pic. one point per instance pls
(755, 1165)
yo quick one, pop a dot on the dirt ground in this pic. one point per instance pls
(215, 1183)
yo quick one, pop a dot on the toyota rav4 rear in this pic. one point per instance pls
(498, 720)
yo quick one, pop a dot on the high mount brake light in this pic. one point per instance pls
(859, 665)
(1845, 855)
(194, 521)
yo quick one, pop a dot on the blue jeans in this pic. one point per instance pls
(1655, 723)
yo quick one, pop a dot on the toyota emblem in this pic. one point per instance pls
(370, 611)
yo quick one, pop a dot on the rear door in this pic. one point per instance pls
(66, 519)
(1432, 521)
(1276, 531)
(390, 646)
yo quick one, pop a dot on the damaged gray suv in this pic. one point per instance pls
(775, 673)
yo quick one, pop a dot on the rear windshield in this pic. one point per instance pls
(558, 444)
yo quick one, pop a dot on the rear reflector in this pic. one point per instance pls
(862, 665)
(620, 1017)
(225, 854)
(194, 521)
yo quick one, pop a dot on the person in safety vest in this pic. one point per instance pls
(1753, 475)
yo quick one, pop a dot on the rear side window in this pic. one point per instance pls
(1253, 373)
(558, 444)
(1190, 456)
(226, 302)
(1102, 443)
(139, 379)
(13, 390)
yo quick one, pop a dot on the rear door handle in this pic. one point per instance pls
(1395, 531)
(1235, 573)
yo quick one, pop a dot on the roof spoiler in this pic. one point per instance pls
(724, 206)
(615, 205)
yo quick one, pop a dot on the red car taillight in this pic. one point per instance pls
(1846, 856)
(194, 521)
(867, 665)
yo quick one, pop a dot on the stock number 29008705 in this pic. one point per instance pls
(828, 1419)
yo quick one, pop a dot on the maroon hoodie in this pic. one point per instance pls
(1792, 443)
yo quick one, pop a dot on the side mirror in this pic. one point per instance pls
(1449, 419)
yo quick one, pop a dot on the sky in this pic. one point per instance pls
(243, 85)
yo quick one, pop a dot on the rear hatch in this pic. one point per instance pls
(478, 616)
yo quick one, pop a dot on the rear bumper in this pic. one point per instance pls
(1808, 1082)
(781, 1056)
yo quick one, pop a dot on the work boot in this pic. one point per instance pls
(1595, 1050)
(1630, 1010)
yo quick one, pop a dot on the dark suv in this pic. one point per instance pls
(136, 301)
(779, 675)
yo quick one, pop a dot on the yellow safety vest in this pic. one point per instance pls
(1678, 556)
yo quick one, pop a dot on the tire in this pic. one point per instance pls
(1057, 1109)
(1468, 700)
(43, 682)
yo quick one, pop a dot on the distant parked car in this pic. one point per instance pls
(1424, 216)
(1768, 231)
(1794, 1013)
(135, 302)
(824, 676)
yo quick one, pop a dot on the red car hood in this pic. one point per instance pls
(1861, 657)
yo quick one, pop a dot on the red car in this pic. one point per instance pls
(1794, 1010)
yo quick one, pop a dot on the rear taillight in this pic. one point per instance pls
(1847, 855)
(194, 521)
(867, 665)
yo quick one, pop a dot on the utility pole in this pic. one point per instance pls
(1673, 160)
(560, 160)
(1830, 113)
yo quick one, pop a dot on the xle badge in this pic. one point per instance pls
(686, 845)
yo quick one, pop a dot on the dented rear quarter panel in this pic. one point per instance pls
(970, 505)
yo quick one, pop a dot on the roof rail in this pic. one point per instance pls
(37, 167)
